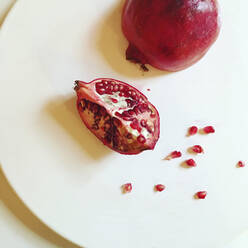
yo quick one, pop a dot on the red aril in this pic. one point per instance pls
(159, 187)
(127, 188)
(170, 35)
(118, 114)
(209, 129)
(197, 149)
(191, 162)
(193, 130)
(201, 194)
(241, 164)
(174, 154)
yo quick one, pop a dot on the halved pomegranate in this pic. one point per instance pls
(118, 114)
(170, 35)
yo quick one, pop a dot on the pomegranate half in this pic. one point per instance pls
(118, 114)
(170, 35)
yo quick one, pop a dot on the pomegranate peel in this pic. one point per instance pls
(129, 124)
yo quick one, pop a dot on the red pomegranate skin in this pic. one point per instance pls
(170, 35)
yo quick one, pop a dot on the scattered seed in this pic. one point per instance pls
(241, 164)
(191, 162)
(127, 188)
(175, 154)
(208, 129)
(201, 194)
(192, 130)
(197, 149)
(159, 187)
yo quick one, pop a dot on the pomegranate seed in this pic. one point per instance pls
(131, 112)
(148, 89)
(191, 162)
(201, 194)
(125, 113)
(111, 87)
(118, 114)
(208, 129)
(175, 154)
(143, 123)
(114, 100)
(141, 139)
(197, 149)
(136, 98)
(149, 129)
(241, 164)
(127, 187)
(159, 187)
(133, 93)
(128, 118)
(152, 115)
(121, 94)
(193, 130)
(100, 91)
(116, 88)
(135, 125)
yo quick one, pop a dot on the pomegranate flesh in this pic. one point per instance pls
(170, 35)
(118, 114)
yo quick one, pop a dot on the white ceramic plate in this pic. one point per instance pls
(71, 181)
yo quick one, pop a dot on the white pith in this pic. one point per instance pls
(120, 107)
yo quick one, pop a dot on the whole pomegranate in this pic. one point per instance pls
(170, 35)
(118, 114)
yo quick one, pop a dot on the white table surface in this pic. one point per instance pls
(19, 228)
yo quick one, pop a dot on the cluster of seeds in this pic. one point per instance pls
(197, 149)
(134, 101)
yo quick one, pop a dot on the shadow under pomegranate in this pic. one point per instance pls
(64, 112)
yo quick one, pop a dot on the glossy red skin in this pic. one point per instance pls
(94, 99)
(170, 35)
